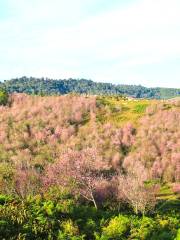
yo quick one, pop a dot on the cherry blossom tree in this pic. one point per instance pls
(134, 189)
(79, 171)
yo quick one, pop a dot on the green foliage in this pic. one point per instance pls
(140, 108)
(178, 235)
(82, 86)
(120, 110)
(69, 228)
(117, 228)
(4, 199)
(154, 229)
(142, 228)
(3, 96)
(37, 218)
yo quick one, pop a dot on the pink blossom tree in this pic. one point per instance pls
(134, 189)
(79, 171)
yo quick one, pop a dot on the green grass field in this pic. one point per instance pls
(121, 110)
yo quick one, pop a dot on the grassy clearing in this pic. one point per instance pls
(118, 111)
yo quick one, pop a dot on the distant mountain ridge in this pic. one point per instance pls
(46, 86)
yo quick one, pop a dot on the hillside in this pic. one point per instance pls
(50, 87)
(89, 167)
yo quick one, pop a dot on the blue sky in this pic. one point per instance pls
(118, 41)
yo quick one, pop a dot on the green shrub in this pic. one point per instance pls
(178, 235)
(154, 229)
(142, 228)
(118, 228)
(3, 96)
(69, 228)
(64, 219)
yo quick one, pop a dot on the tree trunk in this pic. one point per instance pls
(94, 200)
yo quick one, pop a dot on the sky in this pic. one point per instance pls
(117, 41)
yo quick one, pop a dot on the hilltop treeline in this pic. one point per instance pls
(50, 87)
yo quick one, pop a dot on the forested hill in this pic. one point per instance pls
(49, 87)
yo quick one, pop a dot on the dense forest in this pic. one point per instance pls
(88, 167)
(50, 87)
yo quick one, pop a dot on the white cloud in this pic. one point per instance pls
(55, 38)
